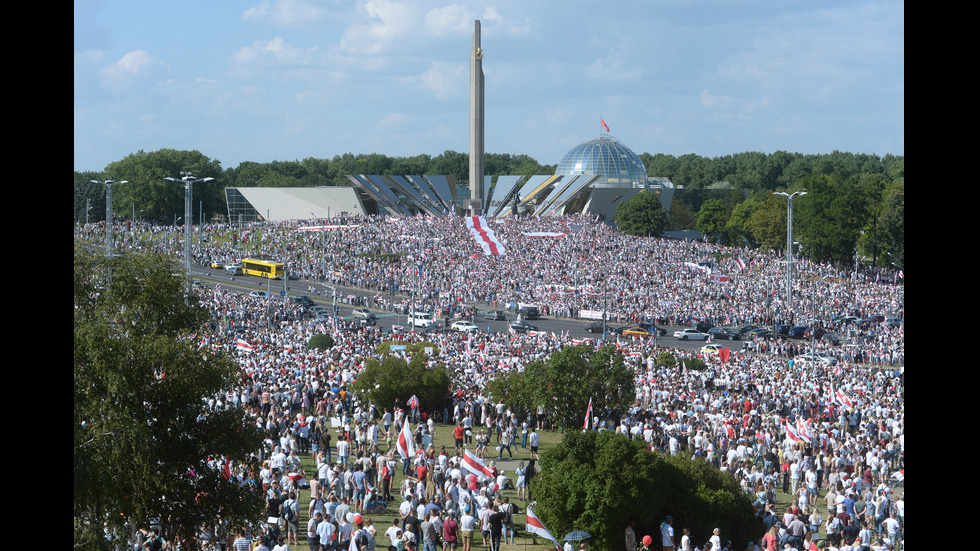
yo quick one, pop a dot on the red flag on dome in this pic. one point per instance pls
(604, 125)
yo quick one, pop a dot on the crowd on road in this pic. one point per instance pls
(831, 437)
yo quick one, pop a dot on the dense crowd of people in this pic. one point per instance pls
(829, 436)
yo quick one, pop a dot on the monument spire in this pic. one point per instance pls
(476, 124)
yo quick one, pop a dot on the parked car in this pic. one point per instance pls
(258, 294)
(529, 312)
(797, 331)
(465, 326)
(595, 327)
(690, 335)
(521, 326)
(651, 328)
(363, 313)
(727, 333)
(711, 348)
(636, 332)
(703, 326)
(818, 357)
(817, 333)
(758, 333)
(494, 315)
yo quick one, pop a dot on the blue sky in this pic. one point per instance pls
(289, 79)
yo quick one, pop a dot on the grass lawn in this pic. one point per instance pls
(443, 437)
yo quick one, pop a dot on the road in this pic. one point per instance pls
(323, 297)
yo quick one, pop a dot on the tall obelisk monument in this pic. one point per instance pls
(476, 124)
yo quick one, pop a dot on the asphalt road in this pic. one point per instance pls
(323, 297)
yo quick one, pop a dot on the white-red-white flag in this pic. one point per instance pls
(588, 415)
(243, 345)
(475, 465)
(535, 526)
(844, 399)
(803, 429)
(485, 237)
(405, 444)
(792, 433)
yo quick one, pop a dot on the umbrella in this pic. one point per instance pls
(577, 535)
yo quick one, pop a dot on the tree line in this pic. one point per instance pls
(855, 202)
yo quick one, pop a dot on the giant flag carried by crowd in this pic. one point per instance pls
(484, 236)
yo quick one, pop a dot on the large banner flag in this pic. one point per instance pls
(803, 429)
(476, 466)
(791, 432)
(536, 527)
(243, 345)
(844, 399)
(588, 415)
(405, 444)
(484, 236)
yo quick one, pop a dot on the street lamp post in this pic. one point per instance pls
(789, 246)
(188, 180)
(108, 211)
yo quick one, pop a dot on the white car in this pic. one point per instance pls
(465, 326)
(690, 335)
(363, 313)
(711, 349)
(257, 294)
(821, 357)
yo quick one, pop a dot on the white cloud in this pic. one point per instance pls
(444, 78)
(132, 68)
(288, 13)
(388, 23)
(453, 19)
(274, 53)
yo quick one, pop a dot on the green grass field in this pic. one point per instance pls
(443, 437)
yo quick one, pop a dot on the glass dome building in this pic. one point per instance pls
(606, 157)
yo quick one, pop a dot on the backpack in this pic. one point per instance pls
(508, 516)
(288, 512)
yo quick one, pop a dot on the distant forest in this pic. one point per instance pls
(726, 198)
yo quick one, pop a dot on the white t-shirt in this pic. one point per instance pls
(668, 532)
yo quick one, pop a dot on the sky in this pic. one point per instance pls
(284, 80)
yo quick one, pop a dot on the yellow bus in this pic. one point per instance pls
(263, 268)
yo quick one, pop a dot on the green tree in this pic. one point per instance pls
(512, 389)
(393, 379)
(89, 196)
(830, 218)
(320, 341)
(767, 223)
(148, 193)
(143, 439)
(891, 225)
(569, 378)
(642, 214)
(713, 218)
(599, 481)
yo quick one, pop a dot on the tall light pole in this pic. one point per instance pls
(188, 180)
(108, 212)
(789, 246)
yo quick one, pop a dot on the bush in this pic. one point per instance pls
(598, 481)
(666, 359)
(694, 364)
(320, 342)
